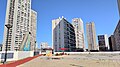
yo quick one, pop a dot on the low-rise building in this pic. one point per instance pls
(44, 45)
(103, 42)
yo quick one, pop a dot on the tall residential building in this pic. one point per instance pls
(33, 28)
(91, 36)
(79, 33)
(103, 42)
(18, 14)
(117, 31)
(118, 1)
(117, 36)
(112, 43)
(63, 35)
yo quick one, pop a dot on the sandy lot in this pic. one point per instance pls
(75, 61)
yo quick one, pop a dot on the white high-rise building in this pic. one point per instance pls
(33, 28)
(91, 36)
(79, 32)
(18, 14)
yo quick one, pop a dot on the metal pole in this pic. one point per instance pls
(41, 48)
(8, 27)
(6, 46)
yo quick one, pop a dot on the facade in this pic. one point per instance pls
(91, 36)
(33, 28)
(117, 31)
(63, 35)
(112, 43)
(18, 14)
(79, 33)
(103, 42)
(118, 1)
(117, 36)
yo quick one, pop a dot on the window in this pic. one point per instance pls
(25, 14)
(19, 1)
(21, 19)
(22, 13)
(28, 15)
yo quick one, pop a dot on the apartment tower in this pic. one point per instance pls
(33, 28)
(118, 1)
(117, 36)
(117, 31)
(18, 14)
(63, 35)
(91, 36)
(79, 33)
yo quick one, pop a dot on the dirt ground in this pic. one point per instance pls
(74, 61)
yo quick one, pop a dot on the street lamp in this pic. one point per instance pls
(35, 46)
(41, 48)
(8, 28)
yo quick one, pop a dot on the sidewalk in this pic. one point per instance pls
(16, 63)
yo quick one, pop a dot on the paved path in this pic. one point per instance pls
(16, 63)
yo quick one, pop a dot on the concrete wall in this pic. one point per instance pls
(16, 55)
(23, 54)
(74, 53)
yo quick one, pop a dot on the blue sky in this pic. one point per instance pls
(103, 12)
